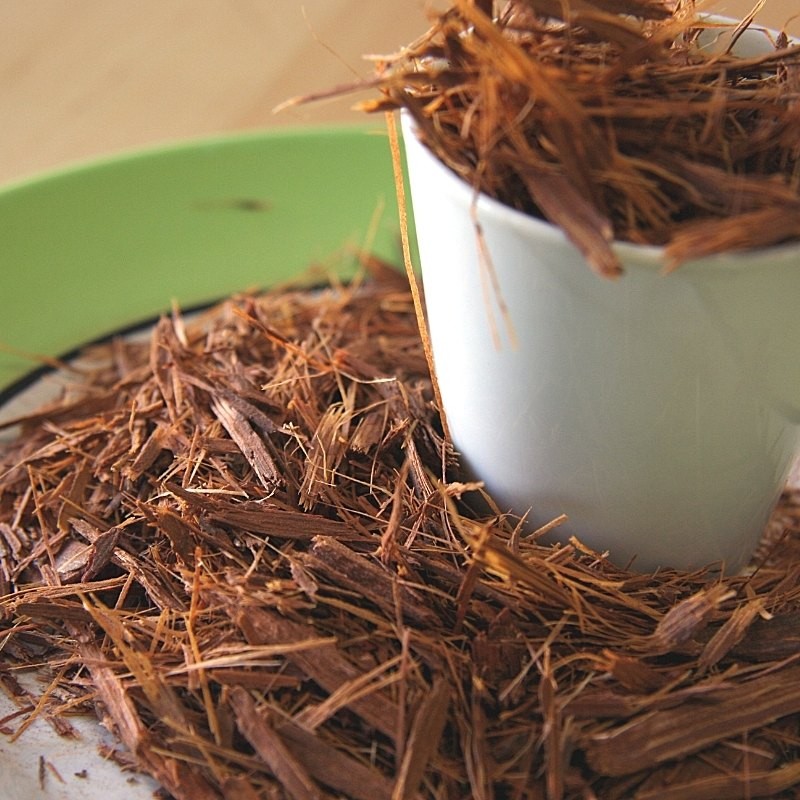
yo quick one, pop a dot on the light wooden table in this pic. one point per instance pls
(84, 78)
(81, 78)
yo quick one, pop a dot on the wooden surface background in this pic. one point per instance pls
(86, 78)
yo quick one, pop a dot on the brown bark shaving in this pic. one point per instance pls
(606, 118)
(249, 551)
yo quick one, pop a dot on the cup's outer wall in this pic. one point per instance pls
(658, 412)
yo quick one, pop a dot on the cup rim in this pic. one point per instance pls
(630, 253)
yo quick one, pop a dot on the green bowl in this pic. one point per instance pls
(101, 247)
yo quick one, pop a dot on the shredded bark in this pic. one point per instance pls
(245, 546)
(627, 120)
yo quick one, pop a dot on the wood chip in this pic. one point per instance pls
(612, 119)
(245, 631)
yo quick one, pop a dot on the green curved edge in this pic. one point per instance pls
(95, 248)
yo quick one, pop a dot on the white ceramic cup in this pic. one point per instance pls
(660, 413)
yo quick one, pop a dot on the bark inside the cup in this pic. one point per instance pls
(244, 545)
(613, 119)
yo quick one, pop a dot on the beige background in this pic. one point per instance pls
(82, 78)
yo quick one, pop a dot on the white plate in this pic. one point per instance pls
(41, 763)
